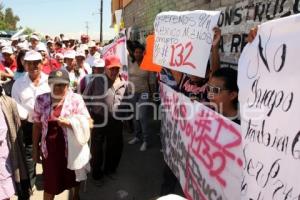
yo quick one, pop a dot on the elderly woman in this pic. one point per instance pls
(14, 176)
(104, 94)
(55, 128)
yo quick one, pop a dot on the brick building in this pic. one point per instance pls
(236, 19)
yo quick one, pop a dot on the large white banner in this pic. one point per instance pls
(203, 149)
(183, 40)
(119, 49)
(269, 83)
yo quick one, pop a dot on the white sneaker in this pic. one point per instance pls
(134, 140)
(144, 146)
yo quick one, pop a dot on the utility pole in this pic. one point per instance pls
(101, 21)
(87, 27)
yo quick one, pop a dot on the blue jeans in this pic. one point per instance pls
(143, 113)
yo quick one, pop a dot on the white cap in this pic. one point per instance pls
(35, 37)
(4, 43)
(70, 54)
(23, 37)
(84, 47)
(65, 39)
(50, 41)
(92, 44)
(98, 63)
(32, 56)
(23, 46)
(59, 55)
(41, 47)
(80, 53)
(7, 49)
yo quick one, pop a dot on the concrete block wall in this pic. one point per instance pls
(141, 13)
(237, 17)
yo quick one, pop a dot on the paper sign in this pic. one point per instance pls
(203, 149)
(119, 49)
(268, 80)
(147, 63)
(183, 40)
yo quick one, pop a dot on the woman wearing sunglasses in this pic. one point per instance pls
(223, 91)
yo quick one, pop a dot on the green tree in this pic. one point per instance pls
(28, 31)
(8, 20)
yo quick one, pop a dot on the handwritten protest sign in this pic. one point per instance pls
(183, 40)
(269, 96)
(119, 49)
(238, 17)
(202, 148)
(147, 63)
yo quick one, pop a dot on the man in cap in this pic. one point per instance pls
(72, 42)
(94, 54)
(58, 46)
(97, 68)
(59, 57)
(75, 74)
(66, 43)
(81, 63)
(84, 39)
(9, 63)
(22, 46)
(50, 48)
(110, 90)
(34, 41)
(24, 91)
(49, 64)
(14, 43)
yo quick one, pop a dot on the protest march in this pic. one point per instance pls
(194, 109)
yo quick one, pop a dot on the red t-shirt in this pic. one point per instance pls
(12, 66)
(2, 68)
(50, 66)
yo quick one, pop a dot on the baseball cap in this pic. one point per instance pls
(92, 44)
(59, 76)
(112, 61)
(32, 56)
(35, 37)
(41, 47)
(23, 46)
(59, 56)
(65, 39)
(70, 54)
(22, 38)
(80, 53)
(98, 63)
(50, 41)
(7, 49)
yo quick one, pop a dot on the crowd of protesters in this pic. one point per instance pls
(60, 88)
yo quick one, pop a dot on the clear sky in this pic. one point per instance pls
(63, 16)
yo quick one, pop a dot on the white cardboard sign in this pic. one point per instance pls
(183, 40)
